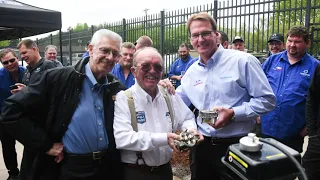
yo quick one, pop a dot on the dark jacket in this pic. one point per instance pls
(33, 73)
(313, 105)
(39, 115)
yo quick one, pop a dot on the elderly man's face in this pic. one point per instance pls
(51, 54)
(126, 57)
(104, 55)
(149, 70)
(10, 62)
(238, 45)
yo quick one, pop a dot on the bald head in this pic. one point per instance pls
(143, 41)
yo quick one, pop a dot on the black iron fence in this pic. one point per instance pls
(254, 20)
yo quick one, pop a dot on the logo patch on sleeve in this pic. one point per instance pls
(141, 117)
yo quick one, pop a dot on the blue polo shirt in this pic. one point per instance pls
(290, 85)
(118, 72)
(6, 80)
(177, 67)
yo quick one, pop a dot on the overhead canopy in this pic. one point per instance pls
(18, 20)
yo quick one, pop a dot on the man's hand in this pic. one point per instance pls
(225, 115)
(167, 84)
(20, 87)
(304, 132)
(197, 133)
(56, 150)
(171, 137)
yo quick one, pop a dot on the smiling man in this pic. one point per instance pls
(51, 54)
(289, 74)
(230, 81)
(66, 117)
(10, 74)
(146, 150)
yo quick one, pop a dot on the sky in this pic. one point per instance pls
(94, 12)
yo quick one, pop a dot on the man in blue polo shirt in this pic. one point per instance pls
(122, 69)
(177, 69)
(10, 74)
(289, 74)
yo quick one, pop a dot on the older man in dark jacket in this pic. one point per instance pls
(67, 116)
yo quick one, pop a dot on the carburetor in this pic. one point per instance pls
(186, 140)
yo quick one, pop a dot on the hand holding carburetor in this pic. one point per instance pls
(186, 140)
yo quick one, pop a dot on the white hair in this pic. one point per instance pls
(151, 50)
(105, 33)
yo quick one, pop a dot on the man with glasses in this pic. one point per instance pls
(67, 116)
(122, 70)
(146, 150)
(228, 81)
(275, 44)
(10, 74)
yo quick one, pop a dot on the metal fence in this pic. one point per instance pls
(254, 20)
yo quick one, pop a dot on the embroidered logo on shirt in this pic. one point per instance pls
(305, 73)
(167, 114)
(141, 117)
(37, 70)
(198, 82)
(277, 68)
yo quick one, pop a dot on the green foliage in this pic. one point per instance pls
(4, 43)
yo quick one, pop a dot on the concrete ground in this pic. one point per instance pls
(19, 148)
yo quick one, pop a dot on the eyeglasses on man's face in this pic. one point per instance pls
(146, 67)
(203, 34)
(10, 60)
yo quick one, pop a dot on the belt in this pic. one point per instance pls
(146, 167)
(222, 141)
(94, 156)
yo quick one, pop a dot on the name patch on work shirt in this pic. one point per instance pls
(141, 117)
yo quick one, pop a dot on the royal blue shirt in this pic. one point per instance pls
(86, 132)
(118, 72)
(178, 67)
(191, 62)
(7, 80)
(290, 85)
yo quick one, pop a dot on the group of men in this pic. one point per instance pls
(80, 122)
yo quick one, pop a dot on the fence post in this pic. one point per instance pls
(92, 30)
(162, 33)
(215, 10)
(124, 30)
(37, 41)
(308, 10)
(311, 39)
(70, 47)
(51, 39)
(60, 48)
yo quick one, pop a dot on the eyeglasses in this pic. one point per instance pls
(275, 43)
(108, 51)
(147, 67)
(204, 35)
(10, 60)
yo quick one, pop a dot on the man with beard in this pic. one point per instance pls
(67, 116)
(51, 54)
(10, 74)
(276, 45)
(122, 70)
(289, 74)
(177, 69)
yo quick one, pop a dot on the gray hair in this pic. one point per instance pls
(105, 33)
(50, 46)
(152, 49)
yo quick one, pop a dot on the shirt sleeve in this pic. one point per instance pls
(173, 67)
(126, 138)
(262, 99)
(312, 104)
(183, 116)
